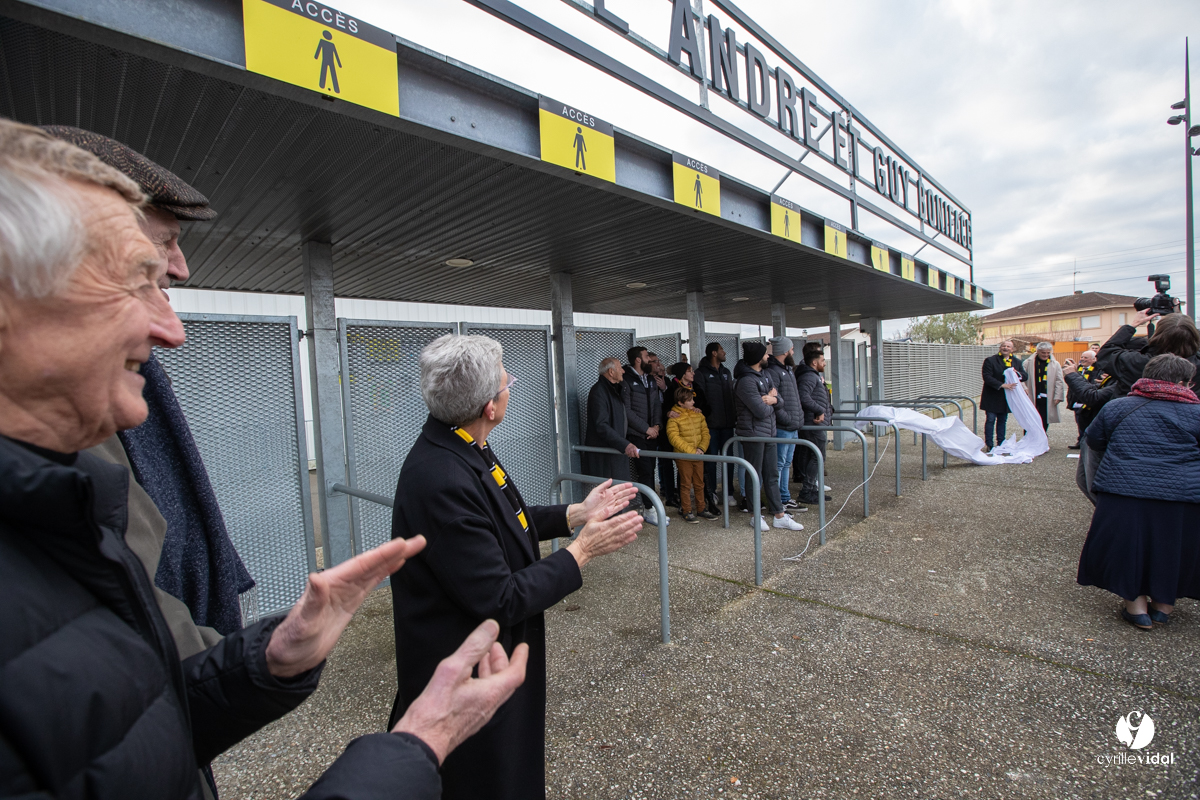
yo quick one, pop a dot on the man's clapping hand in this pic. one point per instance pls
(454, 705)
(312, 627)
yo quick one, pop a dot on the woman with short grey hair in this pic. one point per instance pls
(484, 560)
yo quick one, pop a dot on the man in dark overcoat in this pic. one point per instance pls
(993, 400)
(606, 425)
(483, 562)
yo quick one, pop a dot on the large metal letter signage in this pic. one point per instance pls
(697, 185)
(835, 239)
(684, 38)
(575, 140)
(309, 44)
(785, 219)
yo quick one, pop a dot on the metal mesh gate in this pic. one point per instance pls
(526, 442)
(729, 341)
(915, 369)
(384, 411)
(238, 381)
(666, 347)
(593, 345)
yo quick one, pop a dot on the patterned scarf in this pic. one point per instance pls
(499, 476)
(1164, 390)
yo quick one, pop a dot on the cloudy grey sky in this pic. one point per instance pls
(1047, 119)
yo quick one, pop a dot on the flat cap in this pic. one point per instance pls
(166, 189)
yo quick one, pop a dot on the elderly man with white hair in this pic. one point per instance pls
(483, 561)
(95, 701)
(1044, 383)
(606, 426)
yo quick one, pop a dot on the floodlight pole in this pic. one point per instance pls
(1187, 160)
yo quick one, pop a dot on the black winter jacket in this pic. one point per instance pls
(643, 404)
(605, 428)
(717, 387)
(754, 417)
(1125, 358)
(1092, 395)
(94, 701)
(993, 398)
(789, 415)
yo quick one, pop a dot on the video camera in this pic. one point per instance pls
(1161, 303)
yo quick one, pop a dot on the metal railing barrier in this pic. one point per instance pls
(913, 404)
(973, 401)
(757, 507)
(862, 437)
(664, 597)
(885, 422)
(722, 459)
(341, 488)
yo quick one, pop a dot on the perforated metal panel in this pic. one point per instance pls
(384, 411)
(914, 369)
(730, 342)
(593, 345)
(666, 347)
(525, 441)
(238, 381)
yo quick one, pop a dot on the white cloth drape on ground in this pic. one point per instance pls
(955, 438)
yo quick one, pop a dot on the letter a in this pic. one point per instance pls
(297, 6)
(683, 38)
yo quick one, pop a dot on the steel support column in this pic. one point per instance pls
(328, 430)
(566, 375)
(696, 343)
(833, 370)
(874, 328)
(779, 319)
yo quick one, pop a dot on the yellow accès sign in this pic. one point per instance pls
(317, 47)
(931, 277)
(880, 258)
(576, 140)
(908, 268)
(835, 239)
(697, 185)
(785, 219)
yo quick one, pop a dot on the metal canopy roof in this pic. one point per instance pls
(456, 177)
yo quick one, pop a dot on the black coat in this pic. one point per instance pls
(95, 702)
(1092, 395)
(814, 399)
(478, 564)
(992, 398)
(606, 428)
(1125, 357)
(717, 388)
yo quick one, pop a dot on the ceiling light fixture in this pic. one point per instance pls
(635, 285)
(808, 308)
(739, 299)
(459, 262)
(856, 315)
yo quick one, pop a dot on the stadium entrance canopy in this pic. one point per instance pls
(344, 158)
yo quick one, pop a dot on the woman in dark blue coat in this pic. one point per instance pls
(1144, 542)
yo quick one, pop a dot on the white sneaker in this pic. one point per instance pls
(762, 521)
(827, 490)
(787, 523)
(651, 517)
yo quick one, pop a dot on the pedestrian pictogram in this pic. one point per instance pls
(835, 239)
(327, 52)
(697, 185)
(880, 259)
(908, 268)
(312, 45)
(785, 218)
(577, 140)
(932, 275)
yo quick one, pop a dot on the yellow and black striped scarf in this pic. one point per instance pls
(498, 475)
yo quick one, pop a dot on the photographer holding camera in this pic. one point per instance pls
(1125, 355)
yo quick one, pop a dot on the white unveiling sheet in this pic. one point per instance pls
(955, 438)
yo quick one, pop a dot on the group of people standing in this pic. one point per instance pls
(642, 408)
(1138, 419)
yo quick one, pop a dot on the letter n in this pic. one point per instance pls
(722, 53)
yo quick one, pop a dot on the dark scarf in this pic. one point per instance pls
(199, 564)
(1164, 390)
(498, 475)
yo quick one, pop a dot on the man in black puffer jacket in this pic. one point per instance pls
(818, 410)
(715, 383)
(789, 415)
(95, 701)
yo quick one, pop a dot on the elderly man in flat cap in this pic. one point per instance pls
(175, 526)
(95, 701)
